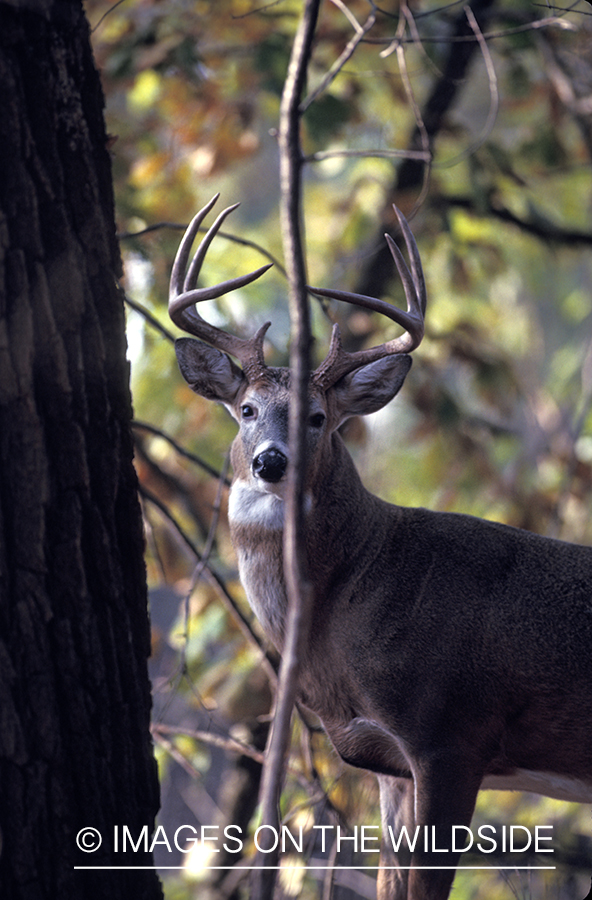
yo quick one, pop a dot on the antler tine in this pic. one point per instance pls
(179, 269)
(414, 258)
(183, 295)
(338, 361)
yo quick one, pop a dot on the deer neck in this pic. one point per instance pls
(341, 520)
(345, 524)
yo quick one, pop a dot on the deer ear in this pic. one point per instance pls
(207, 371)
(368, 389)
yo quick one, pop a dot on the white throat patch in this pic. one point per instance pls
(264, 508)
(248, 506)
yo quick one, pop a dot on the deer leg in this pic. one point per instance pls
(446, 789)
(397, 800)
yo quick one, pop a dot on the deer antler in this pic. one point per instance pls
(338, 361)
(183, 295)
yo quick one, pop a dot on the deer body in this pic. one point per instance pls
(446, 653)
(427, 623)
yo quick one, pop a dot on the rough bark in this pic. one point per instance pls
(74, 635)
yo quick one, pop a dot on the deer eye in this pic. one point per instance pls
(248, 411)
(317, 420)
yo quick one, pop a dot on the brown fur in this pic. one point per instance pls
(446, 652)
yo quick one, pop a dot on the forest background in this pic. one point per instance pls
(479, 126)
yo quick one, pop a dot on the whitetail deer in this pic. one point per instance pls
(447, 654)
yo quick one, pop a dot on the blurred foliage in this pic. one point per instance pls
(495, 417)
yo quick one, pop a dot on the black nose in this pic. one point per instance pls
(270, 465)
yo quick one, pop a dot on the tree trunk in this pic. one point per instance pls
(75, 749)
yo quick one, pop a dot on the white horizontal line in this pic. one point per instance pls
(307, 868)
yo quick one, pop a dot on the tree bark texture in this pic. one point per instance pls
(74, 635)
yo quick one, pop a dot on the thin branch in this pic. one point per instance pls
(329, 878)
(156, 226)
(493, 95)
(417, 40)
(235, 239)
(105, 14)
(539, 227)
(565, 9)
(349, 14)
(347, 53)
(182, 451)
(152, 543)
(152, 320)
(297, 586)
(169, 483)
(419, 155)
(317, 793)
(232, 745)
(487, 36)
(215, 580)
(203, 563)
(571, 91)
(176, 754)
(257, 10)
(411, 175)
(395, 43)
(421, 129)
(430, 12)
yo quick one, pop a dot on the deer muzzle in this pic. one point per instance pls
(270, 465)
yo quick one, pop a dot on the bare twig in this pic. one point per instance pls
(488, 35)
(565, 9)
(329, 878)
(232, 745)
(203, 563)
(176, 754)
(233, 238)
(417, 40)
(149, 229)
(360, 32)
(156, 473)
(137, 307)
(215, 580)
(412, 175)
(256, 10)
(105, 14)
(493, 94)
(182, 451)
(537, 225)
(419, 155)
(152, 543)
(298, 589)
(422, 131)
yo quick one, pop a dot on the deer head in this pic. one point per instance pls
(257, 395)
